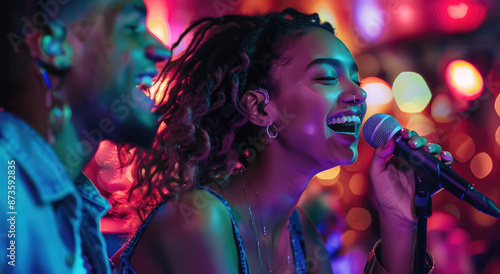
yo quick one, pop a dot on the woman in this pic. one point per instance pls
(254, 108)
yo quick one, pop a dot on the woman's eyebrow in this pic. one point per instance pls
(331, 62)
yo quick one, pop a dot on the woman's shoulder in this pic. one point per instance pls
(195, 224)
(190, 212)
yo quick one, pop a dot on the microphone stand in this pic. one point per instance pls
(423, 210)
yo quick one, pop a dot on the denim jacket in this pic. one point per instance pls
(48, 224)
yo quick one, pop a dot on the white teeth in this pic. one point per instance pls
(344, 119)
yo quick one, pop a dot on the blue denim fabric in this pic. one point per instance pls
(56, 221)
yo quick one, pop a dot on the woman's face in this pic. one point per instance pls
(320, 104)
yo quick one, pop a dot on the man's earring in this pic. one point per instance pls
(51, 46)
(59, 115)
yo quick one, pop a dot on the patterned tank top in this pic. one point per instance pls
(296, 240)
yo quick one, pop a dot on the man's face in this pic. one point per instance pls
(114, 54)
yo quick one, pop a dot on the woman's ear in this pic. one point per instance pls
(257, 101)
(50, 47)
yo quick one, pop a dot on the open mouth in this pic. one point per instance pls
(144, 81)
(344, 124)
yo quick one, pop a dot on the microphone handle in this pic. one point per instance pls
(436, 175)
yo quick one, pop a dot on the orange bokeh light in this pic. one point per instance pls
(497, 105)
(328, 177)
(497, 136)
(464, 80)
(358, 184)
(379, 91)
(481, 165)
(462, 147)
(442, 109)
(421, 124)
(348, 237)
(379, 95)
(358, 218)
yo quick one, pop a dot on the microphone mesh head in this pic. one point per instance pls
(379, 128)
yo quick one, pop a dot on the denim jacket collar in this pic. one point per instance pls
(30, 149)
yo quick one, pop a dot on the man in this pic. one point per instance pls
(73, 67)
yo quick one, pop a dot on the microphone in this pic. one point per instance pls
(379, 128)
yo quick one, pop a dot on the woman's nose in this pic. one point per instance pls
(355, 95)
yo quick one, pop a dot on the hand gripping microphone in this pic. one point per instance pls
(379, 128)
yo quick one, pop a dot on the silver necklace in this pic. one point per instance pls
(256, 233)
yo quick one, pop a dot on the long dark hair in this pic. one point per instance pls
(203, 122)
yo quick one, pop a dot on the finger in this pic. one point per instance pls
(405, 133)
(433, 149)
(446, 157)
(380, 155)
(417, 142)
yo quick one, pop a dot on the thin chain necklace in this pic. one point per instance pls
(256, 233)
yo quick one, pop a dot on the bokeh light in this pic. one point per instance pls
(325, 12)
(156, 20)
(348, 237)
(497, 135)
(404, 16)
(462, 147)
(464, 80)
(329, 176)
(497, 105)
(482, 219)
(421, 124)
(481, 165)
(358, 218)
(459, 15)
(442, 109)
(369, 20)
(411, 92)
(358, 184)
(378, 93)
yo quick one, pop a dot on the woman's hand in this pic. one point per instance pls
(394, 185)
(393, 182)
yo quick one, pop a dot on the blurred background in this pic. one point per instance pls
(432, 64)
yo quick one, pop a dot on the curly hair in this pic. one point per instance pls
(204, 120)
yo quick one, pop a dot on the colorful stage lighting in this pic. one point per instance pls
(370, 20)
(464, 80)
(442, 109)
(481, 165)
(378, 91)
(411, 92)
(459, 15)
(379, 95)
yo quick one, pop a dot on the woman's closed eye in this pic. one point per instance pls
(326, 80)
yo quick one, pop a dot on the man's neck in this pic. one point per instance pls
(74, 153)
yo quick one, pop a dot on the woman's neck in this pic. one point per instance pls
(272, 186)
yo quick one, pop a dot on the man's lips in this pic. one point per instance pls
(144, 80)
